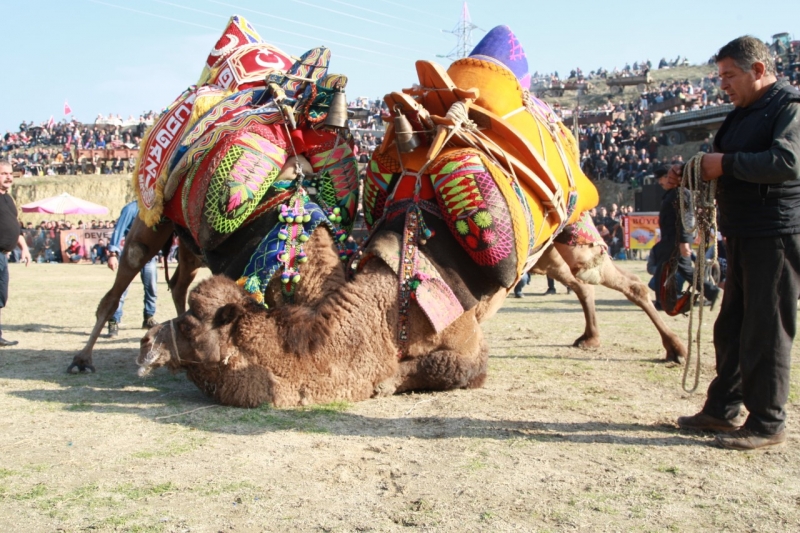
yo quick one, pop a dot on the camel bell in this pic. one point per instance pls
(405, 138)
(337, 112)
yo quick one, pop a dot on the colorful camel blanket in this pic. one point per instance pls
(501, 166)
(229, 118)
(214, 159)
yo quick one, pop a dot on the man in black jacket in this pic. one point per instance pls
(756, 161)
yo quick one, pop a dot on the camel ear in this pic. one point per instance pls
(228, 314)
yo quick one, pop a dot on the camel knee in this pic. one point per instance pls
(446, 370)
(136, 255)
(638, 291)
(590, 271)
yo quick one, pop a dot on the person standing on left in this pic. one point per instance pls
(10, 237)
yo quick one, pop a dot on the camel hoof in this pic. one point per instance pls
(385, 388)
(585, 343)
(79, 367)
(675, 360)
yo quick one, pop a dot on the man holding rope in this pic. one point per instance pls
(756, 161)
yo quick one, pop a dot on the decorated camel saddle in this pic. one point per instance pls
(491, 160)
(251, 138)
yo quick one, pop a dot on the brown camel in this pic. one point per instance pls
(340, 347)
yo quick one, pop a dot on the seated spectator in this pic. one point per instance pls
(99, 252)
(74, 251)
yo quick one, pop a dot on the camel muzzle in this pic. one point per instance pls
(157, 348)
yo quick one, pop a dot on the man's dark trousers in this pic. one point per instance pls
(3, 280)
(754, 331)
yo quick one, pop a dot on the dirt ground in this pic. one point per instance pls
(559, 439)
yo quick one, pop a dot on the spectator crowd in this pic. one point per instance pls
(616, 142)
(614, 138)
(52, 148)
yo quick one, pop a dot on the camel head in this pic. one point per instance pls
(202, 335)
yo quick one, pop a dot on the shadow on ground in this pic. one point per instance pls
(172, 399)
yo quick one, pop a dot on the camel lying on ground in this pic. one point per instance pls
(342, 347)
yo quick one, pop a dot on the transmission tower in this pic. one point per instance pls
(463, 32)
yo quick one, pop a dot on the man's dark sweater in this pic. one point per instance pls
(759, 191)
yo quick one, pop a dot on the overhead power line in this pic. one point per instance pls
(288, 46)
(387, 15)
(345, 14)
(363, 38)
(153, 15)
(406, 6)
(371, 51)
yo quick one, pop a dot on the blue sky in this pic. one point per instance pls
(129, 56)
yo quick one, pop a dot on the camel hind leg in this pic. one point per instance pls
(185, 272)
(444, 370)
(553, 265)
(459, 361)
(638, 293)
(590, 265)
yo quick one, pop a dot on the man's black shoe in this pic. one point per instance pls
(744, 439)
(113, 329)
(149, 322)
(4, 342)
(704, 422)
(549, 291)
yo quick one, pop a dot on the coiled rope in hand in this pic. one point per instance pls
(704, 221)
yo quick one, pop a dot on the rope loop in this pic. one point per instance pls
(703, 220)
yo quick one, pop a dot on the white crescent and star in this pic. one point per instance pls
(224, 49)
(269, 60)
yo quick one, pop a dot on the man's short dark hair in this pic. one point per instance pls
(745, 51)
(660, 171)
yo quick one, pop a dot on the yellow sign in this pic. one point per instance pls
(641, 230)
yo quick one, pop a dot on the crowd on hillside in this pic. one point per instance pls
(622, 150)
(51, 147)
(614, 146)
(617, 146)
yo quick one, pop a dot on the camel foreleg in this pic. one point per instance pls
(142, 244)
(185, 272)
(638, 293)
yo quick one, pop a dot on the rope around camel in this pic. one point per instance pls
(705, 222)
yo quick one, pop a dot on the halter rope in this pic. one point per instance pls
(705, 222)
(174, 340)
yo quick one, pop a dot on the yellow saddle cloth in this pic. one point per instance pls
(502, 167)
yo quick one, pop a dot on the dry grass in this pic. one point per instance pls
(558, 439)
